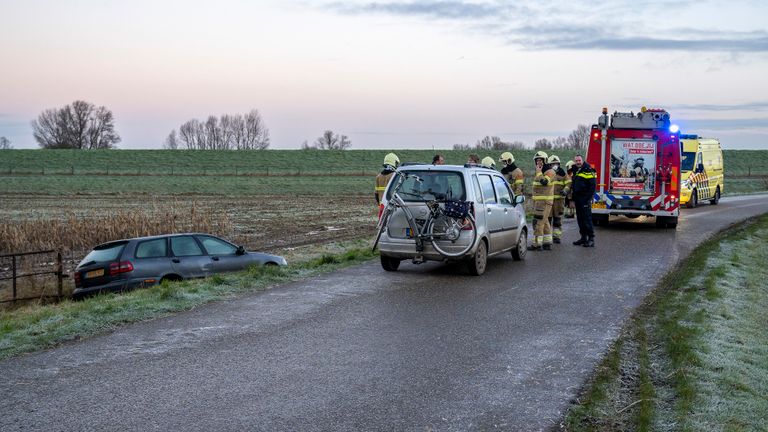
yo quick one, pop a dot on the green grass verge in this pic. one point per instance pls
(33, 328)
(695, 355)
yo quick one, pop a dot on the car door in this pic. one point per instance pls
(494, 214)
(223, 254)
(510, 218)
(188, 258)
(151, 259)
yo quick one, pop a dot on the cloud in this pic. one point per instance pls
(532, 26)
(724, 124)
(747, 106)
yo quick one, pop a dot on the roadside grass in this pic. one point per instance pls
(33, 328)
(695, 355)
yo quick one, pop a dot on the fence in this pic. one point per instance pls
(58, 271)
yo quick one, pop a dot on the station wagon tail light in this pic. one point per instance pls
(381, 210)
(466, 226)
(121, 267)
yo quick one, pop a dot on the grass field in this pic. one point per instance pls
(695, 356)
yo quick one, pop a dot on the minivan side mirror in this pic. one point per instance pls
(240, 250)
(519, 199)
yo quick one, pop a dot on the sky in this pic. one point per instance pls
(389, 74)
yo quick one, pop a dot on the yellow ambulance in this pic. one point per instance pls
(701, 170)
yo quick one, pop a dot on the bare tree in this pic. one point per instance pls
(5, 144)
(79, 125)
(230, 132)
(172, 141)
(491, 143)
(331, 141)
(542, 144)
(560, 143)
(578, 138)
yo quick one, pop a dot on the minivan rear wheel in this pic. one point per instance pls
(389, 264)
(476, 265)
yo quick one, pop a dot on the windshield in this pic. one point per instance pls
(687, 158)
(105, 253)
(440, 185)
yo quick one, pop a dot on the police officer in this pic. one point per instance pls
(391, 162)
(514, 175)
(584, 184)
(489, 162)
(543, 195)
(558, 203)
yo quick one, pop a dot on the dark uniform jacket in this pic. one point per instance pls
(584, 184)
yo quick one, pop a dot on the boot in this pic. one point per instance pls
(589, 243)
(556, 240)
(534, 248)
(580, 242)
(547, 247)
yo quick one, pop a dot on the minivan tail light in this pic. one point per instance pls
(121, 267)
(381, 210)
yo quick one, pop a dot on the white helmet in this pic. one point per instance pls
(489, 162)
(507, 157)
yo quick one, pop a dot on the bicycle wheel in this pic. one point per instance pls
(446, 231)
(382, 225)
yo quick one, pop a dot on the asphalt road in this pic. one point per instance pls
(426, 348)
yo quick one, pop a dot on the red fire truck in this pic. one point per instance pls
(637, 159)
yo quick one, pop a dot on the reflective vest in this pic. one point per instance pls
(543, 186)
(559, 185)
(516, 181)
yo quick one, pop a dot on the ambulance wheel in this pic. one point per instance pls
(389, 264)
(694, 201)
(716, 199)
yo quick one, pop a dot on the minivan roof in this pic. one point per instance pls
(430, 167)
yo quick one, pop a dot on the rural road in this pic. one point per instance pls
(426, 348)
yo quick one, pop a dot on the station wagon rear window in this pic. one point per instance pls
(440, 185)
(105, 253)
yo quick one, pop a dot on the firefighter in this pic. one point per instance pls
(558, 202)
(584, 184)
(514, 175)
(543, 187)
(391, 162)
(489, 162)
(567, 189)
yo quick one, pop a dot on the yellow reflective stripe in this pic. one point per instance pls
(587, 175)
(519, 181)
(380, 188)
(543, 197)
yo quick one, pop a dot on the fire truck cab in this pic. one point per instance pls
(637, 160)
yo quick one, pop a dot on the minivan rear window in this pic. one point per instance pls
(105, 253)
(440, 185)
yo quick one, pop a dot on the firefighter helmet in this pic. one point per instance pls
(553, 160)
(392, 160)
(569, 164)
(541, 155)
(489, 162)
(507, 157)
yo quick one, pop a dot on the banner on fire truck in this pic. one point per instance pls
(630, 160)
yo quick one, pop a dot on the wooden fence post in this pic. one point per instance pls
(13, 275)
(59, 274)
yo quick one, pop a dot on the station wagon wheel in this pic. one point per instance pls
(476, 264)
(389, 264)
(445, 231)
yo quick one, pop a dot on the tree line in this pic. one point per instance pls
(83, 125)
(576, 140)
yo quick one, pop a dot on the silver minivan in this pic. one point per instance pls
(499, 216)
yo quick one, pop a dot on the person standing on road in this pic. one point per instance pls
(543, 187)
(438, 160)
(391, 162)
(514, 175)
(569, 211)
(584, 185)
(558, 202)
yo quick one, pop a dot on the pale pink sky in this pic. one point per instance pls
(388, 74)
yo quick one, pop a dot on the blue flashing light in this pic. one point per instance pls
(674, 128)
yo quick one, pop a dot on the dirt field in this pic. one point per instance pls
(292, 226)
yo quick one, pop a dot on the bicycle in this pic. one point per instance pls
(443, 225)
